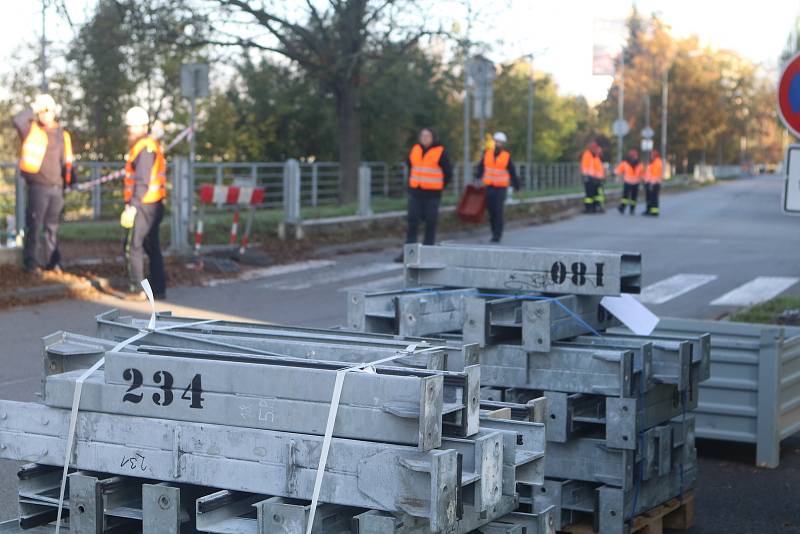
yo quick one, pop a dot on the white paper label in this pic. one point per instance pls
(632, 313)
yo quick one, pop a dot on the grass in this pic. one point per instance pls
(217, 225)
(766, 312)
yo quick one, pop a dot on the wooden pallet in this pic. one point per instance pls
(677, 514)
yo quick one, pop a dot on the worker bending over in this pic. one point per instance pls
(631, 170)
(497, 172)
(653, 176)
(45, 164)
(144, 193)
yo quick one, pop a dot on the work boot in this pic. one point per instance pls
(621, 209)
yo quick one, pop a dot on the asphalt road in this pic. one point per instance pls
(728, 244)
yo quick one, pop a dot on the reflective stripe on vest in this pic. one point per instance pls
(425, 171)
(495, 169)
(156, 187)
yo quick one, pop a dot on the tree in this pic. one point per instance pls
(333, 46)
(130, 52)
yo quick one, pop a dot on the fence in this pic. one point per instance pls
(313, 185)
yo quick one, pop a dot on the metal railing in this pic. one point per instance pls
(312, 184)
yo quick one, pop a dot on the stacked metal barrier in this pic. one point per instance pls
(619, 427)
(218, 427)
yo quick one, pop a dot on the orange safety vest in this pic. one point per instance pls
(630, 174)
(587, 163)
(495, 168)
(426, 173)
(34, 148)
(599, 171)
(157, 187)
(654, 173)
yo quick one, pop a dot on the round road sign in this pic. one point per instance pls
(648, 132)
(620, 128)
(789, 95)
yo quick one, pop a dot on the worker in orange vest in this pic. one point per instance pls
(653, 176)
(631, 170)
(46, 165)
(144, 194)
(593, 176)
(497, 172)
(429, 172)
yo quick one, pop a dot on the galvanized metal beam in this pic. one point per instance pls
(362, 474)
(525, 270)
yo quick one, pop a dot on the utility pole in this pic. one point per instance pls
(664, 112)
(43, 58)
(467, 171)
(529, 140)
(647, 124)
(621, 101)
(466, 159)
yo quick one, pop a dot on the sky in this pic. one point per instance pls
(558, 31)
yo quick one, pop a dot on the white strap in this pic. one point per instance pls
(76, 398)
(326, 442)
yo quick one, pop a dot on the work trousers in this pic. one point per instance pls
(630, 195)
(143, 238)
(652, 192)
(495, 202)
(594, 194)
(42, 216)
(423, 207)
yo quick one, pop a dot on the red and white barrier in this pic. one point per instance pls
(229, 195)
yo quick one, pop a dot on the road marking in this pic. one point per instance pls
(673, 287)
(275, 270)
(380, 283)
(757, 290)
(331, 276)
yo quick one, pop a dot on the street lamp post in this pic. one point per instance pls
(529, 140)
(664, 112)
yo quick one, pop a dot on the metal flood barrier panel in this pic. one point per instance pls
(753, 395)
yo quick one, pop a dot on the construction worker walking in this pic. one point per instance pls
(497, 172)
(631, 170)
(46, 165)
(653, 176)
(593, 175)
(144, 193)
(429, 173)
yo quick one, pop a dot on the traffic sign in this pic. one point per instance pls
(620, 128)
(791, 190)
(648, 132)
(194, 80)
(647, 145)
(789, 95)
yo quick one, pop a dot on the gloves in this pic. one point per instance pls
(127, 217)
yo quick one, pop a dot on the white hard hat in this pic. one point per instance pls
(500, 137)
(43, 102)
(137, 116)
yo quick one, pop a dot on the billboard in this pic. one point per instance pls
(608, 38)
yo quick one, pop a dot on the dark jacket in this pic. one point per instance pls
(54, 169)
(444, 163)
(512, 170)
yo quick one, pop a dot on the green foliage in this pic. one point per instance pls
(130, 53)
